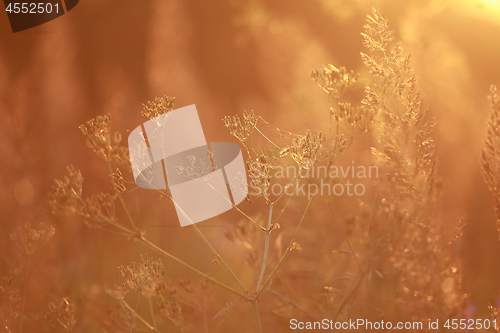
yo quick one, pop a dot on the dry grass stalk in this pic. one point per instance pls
(490, 157)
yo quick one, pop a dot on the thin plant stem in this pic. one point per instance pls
(295, 304)
(151, 309)
(287, 249)
(354, 285)
(255, 307)
(333, 157)
(266, 246)
(119, 195)
(135, 311)
(220, 258)
(21, 314)
(166, 254)
(265, 137)
(174, 258)
(144, 321)
(285, 206)
(211, 247)
(330, 115)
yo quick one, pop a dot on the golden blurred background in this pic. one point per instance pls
(224, 56)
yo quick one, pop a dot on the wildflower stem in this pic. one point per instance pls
(135, 311)
(127, 211)
(255, 307)
(266, 246)
(285, 206)
(265, 137)
(120, 197)
(330, 117)
(139, 317)
(174, 258)
(354, 285)
(151, 309)
(21, 315)
(288, 249)
(232, 204)
(219, 257)
(211, 247)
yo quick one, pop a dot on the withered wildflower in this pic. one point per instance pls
(144, 277)
(158, 107)
(67, 192)
(98, 138)
(357, 120)
(119, 181)
(307, 150)
(172, 310)
(10, 302)
(334, 80)
(96, 210)
(259, 173)
(30, 240)
(241, 130)
(63, 313)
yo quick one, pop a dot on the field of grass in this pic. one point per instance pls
(370, 132)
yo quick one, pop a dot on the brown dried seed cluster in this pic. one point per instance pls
(241, 130)
(119, 181)
(30, 240)
(63, 313)
(10, 302)
(67, 192)
(172, 310)
(158, 107)
(95, 210)
(97, 132)
(307, 150)
(357, 119)
(334, 80)
(145, 277)
(259, 173)
(197, 167)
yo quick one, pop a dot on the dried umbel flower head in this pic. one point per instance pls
(97, 132)
(357, 120)
(172, 310)
(241, 130)
(259, 173)
(145, 276)
(158, 107)
(67, 192)
(197, 167)
(98, 209)
(334, 80)
(119, 181)
(307, 150)
(64, 314)
(31, 240)
(10, 302)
